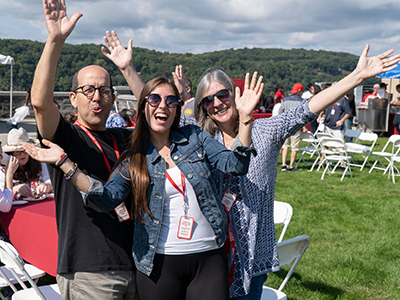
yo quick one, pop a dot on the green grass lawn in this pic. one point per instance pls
(354, 227)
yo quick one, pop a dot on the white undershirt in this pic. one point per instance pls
(203, 237)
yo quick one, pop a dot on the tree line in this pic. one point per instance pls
(276, 65)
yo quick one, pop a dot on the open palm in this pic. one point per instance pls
(57, 22)
(120, 56)
(372, 66)
(246, 103)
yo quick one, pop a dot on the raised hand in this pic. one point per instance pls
(179, 80)
(50, 155)
(12, 165)
(246, 103)
(120, 56)
(57, 22)
(372, 66)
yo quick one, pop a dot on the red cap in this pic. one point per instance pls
(297, 88)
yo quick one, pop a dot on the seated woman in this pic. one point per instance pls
(31, 179)
(6, 181)
(165, 176)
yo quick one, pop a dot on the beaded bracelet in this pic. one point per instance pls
(61, 160)
(248, 121)
(71, 172)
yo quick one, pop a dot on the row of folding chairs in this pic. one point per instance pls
(362, 146)
(337, 151)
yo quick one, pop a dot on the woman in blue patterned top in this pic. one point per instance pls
(251, 216)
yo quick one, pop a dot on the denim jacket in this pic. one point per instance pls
(194, 151)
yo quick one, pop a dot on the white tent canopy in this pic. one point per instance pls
(8, 60)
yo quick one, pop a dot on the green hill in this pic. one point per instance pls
(276, 65)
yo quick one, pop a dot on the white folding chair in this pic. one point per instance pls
(311, 148)
(34, 272)
(334, 151)
(289, 251)
(283, 213)
(362, 146)
(11, 259)
(354, 134)
(394, 158)
(320, 136)
(386, 153)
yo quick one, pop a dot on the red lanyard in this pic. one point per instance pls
(182, 191)
(98, 145)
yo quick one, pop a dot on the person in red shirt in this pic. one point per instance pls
(278, 93)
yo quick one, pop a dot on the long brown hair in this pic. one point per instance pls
(138, 148)
(29, 171)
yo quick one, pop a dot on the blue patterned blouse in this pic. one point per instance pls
(252, 215)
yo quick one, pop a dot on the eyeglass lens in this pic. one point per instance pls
(222, 95)
(90, 90)
(155, 100)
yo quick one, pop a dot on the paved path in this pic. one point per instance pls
(28, 124)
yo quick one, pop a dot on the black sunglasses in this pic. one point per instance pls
(155, 100)
(222, 95)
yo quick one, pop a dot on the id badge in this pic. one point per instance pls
(228, 199)
(122, 212)
(185, 228)
(333, 111)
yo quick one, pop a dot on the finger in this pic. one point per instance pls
(385, 54)
(76, 17)
(365, 51)
(115, 37)
(259, 92)
(130, 44)
(253, 81)
(46, 7)
(103, 50)
(105, 39)
(259, 82)
(181, 71)
(246, 81)
(111, 40)
(237, 93)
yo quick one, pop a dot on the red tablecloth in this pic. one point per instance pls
(33, 232)
(261, 115)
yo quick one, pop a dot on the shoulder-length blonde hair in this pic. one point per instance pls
(200, 112)
(138, 148)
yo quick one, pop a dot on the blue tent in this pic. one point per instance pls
(391, 74)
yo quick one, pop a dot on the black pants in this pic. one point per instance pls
(186, 277)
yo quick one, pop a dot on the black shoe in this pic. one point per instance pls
(284, 168)
(291, 169)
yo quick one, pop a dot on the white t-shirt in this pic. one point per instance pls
(203, 237)
(6, 195)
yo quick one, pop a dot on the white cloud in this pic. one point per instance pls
(209, 25)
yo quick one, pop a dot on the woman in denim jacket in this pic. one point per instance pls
(181, 224)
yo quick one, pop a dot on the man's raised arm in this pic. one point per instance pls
(59, 28)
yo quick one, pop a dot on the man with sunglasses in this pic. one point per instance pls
(94, 248)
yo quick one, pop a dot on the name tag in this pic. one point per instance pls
(185, 228)
(122, 212)
(228, 199)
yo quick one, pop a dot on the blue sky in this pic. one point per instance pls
(178, 26)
